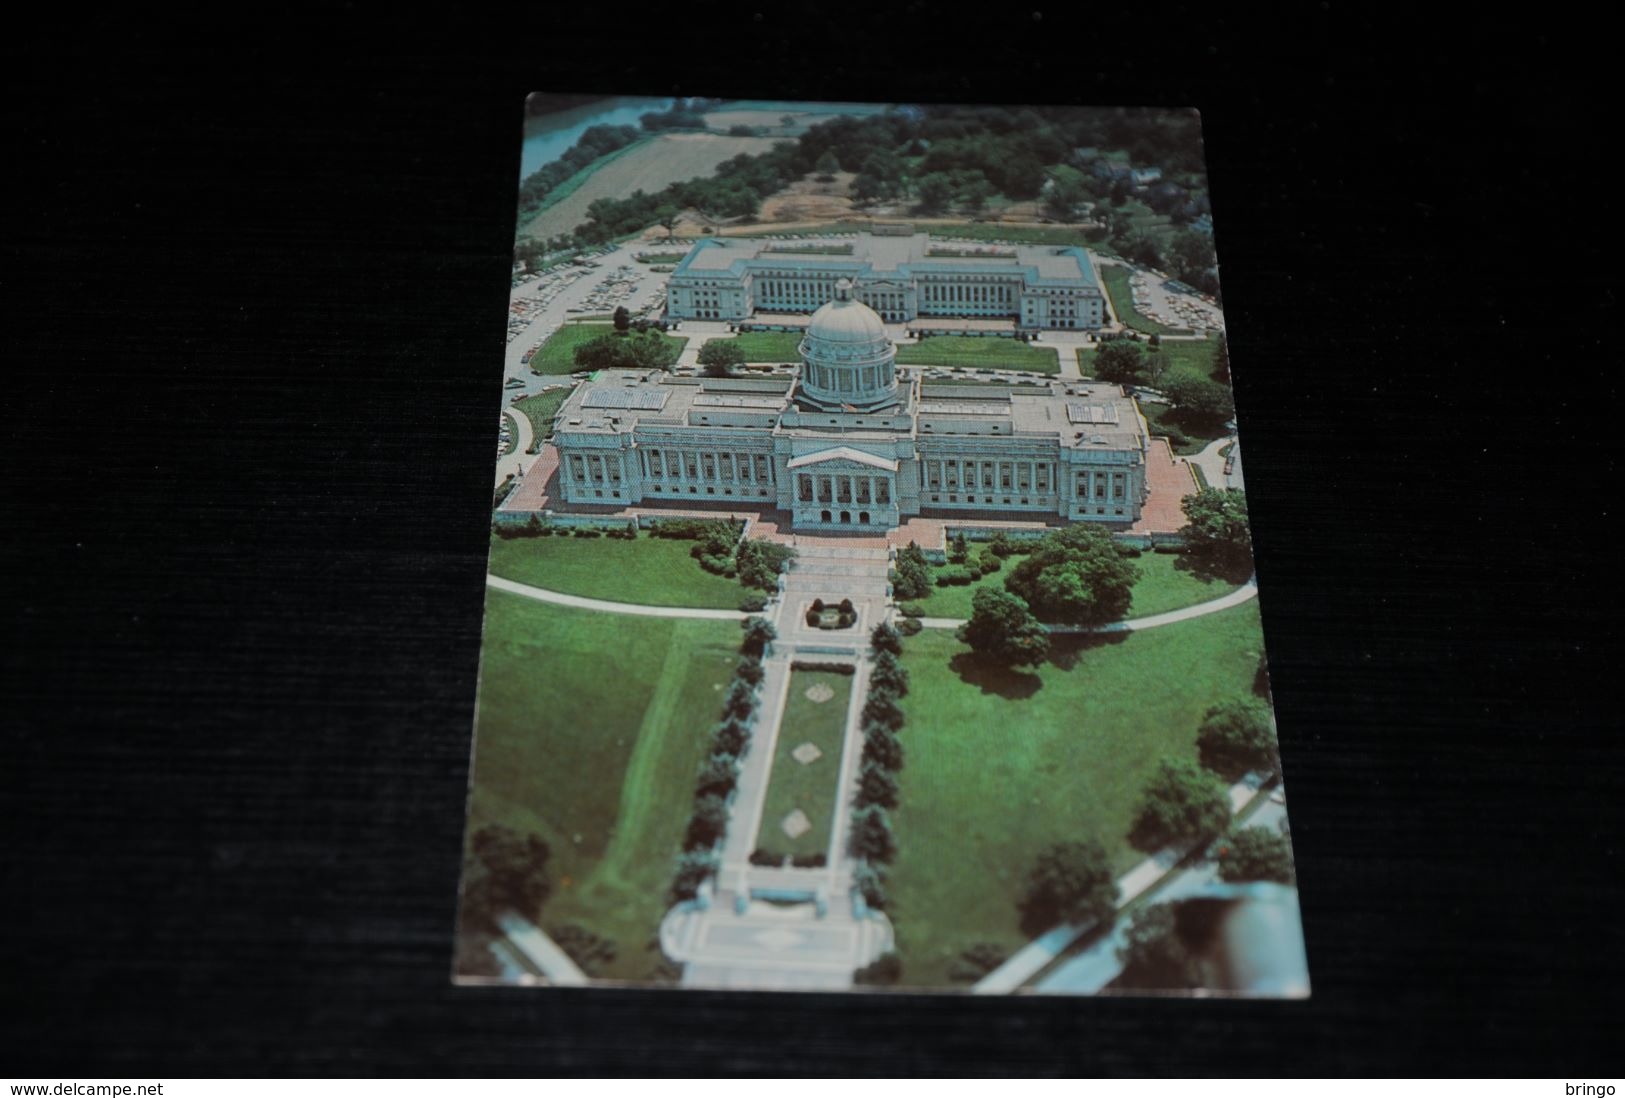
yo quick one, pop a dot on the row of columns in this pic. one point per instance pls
(1099, 486)
(843, 488)
(728, 466)
(601, 469)
(967, 475)
(869, 378)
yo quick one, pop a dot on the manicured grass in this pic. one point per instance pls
(1000, 765)
(1195, 440)
(540, 409)
(1165, 583)
(983, 352)
(810, 787)
(1197, 356)
(768, 346)
(604, 776)
(557, 355)
(649, 570)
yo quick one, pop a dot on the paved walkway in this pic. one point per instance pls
(514, 463)
(1245, 593)
(541, 951)
(1043, 950)
(558, 598)
(732, 938)
(1212, 463)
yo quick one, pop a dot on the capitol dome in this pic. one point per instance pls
(847, 358)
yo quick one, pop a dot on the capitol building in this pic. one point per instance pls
(903, 278)
(852, 442)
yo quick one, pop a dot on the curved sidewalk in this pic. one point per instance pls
(541, 594)
(1245, 593)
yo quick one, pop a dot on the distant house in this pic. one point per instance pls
(1145, 176)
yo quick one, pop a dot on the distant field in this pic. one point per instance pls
(987, 352)
(649, 167)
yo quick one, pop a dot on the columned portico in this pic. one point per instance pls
(843, 488)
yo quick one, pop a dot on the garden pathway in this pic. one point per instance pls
(808, 935)
(558, 598)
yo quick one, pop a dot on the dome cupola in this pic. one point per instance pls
(846, 356)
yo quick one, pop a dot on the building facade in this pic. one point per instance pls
(902, 278)
(851, 441)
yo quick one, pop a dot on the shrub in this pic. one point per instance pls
(751, 604)
(881, 708)
(716, 564)
(846, 606)
(876, 785)
(741, 699)
(749, 670)
(1237, 736)
(694, 868)
(586, 532)
(882, 747)
(817, 606)
(872, 837)
(988, 562)
(708, 824)
(1003, 544)
(763, 856)
(912, 610)
(869, 881)
(815, 860)
(1256, 854)
(909, 626)
(889, 674)
(885, 639)
(887, 969)
(730, 737)
(718, 775)
(825, 665)
(814, 619)
(954, 576)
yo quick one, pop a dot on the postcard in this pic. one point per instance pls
(870, 602)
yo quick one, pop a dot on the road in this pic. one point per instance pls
(1212, 463)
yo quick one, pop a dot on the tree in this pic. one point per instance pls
(718, 773)
(1065, 195)
(759, 562)
(720, 356)
(935, 190)
(1237, 736)
(621, 319)
(1003, 630)
(759, 633)
(1183, 803)
(1217, 526)
(885, 639)
(876, 785)
(1072, 882)
(1192, 254)
(1075, 575)
(1155, 956)
(1198, 400)
(882, 747)
(750, 670)
(741, 699)
(1256, 854)
(694, 868)
(1118, 361)
(827, 166)
(871, 834)
(869, 881)
(882, 971)
(881, 708)
(709, 822)
(890, 674)
(644, 352)
(1221, 360)
(508, 872)
(911, 579)
(958, 549)
(730, 736)
(666, 216)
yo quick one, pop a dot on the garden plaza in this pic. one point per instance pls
(853, 442)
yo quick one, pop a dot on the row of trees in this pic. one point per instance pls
(871, 841)
(642, 350)
(719, 773)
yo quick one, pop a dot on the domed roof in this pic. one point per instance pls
(845, 320)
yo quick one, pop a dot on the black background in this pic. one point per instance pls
(255, 282)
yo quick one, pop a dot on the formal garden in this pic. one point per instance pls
(802, 790)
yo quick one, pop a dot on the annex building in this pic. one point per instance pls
(903, 278)
(851, 442)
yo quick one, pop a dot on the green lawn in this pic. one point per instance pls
(653, 571)
(1002, 764)
(1116, 280)
(769, 346)
(1185, 440)
(810, 787)
(1198, 356)
(1165, 584)
(540, 409)
(557, 355)
(604, 776)
(985, 352)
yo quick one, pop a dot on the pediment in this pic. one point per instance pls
(843, 458)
